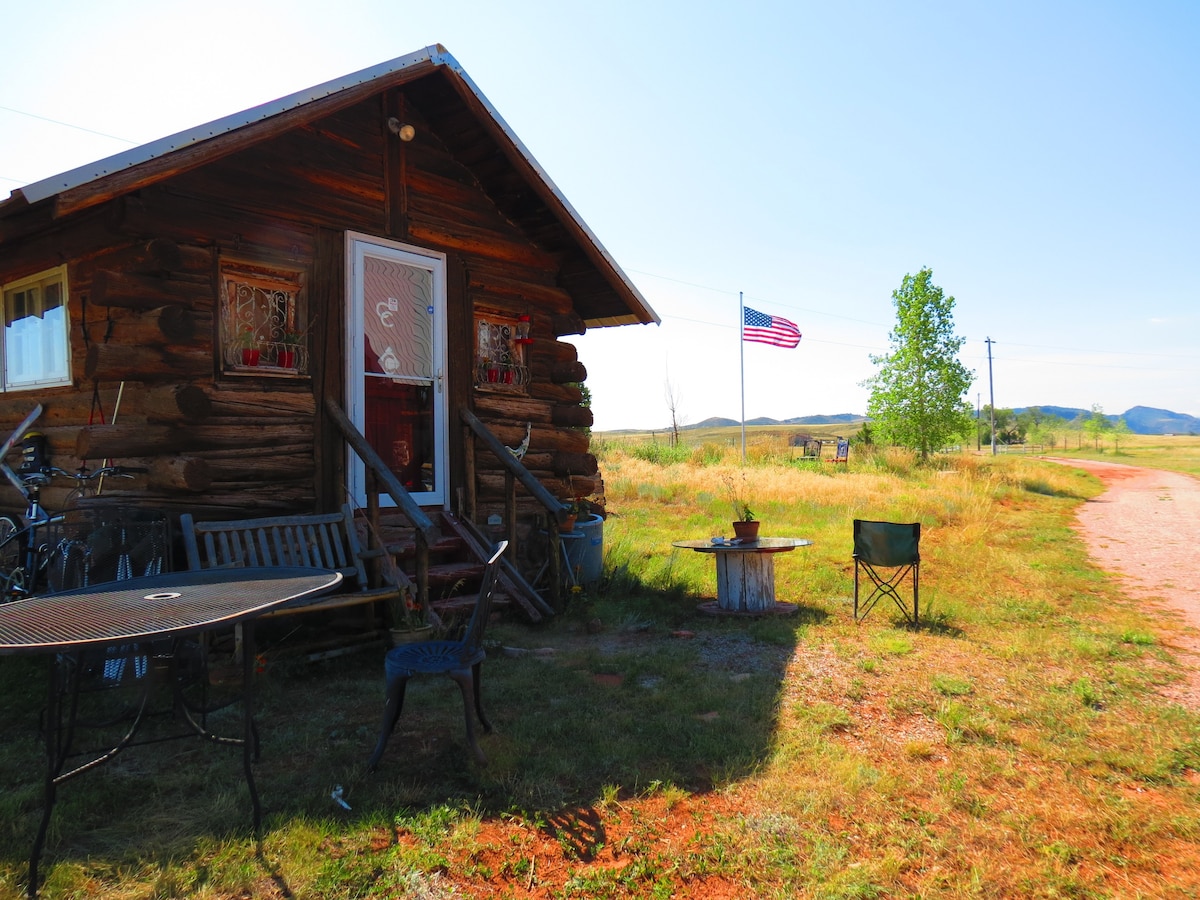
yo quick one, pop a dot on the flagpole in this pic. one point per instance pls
(742, 349)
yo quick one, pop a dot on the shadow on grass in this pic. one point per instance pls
(611, 698)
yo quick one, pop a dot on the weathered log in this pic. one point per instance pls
(293, 448)
(568, 372)
(101, 441)
(539, 460)
(542, 437)
(555, 351)
(163, 255)
(477, 241)
(262, 467)
(567, 323)
(515, 407)
(490, 465)
(198, 221)
(180, 473)
(64, 409)
(156, 255)
(256, 402)
(110, 362)
(172, 402)
(492, 484)
(33, 243)
(237, 500)
(575, 464)
(173, 324)
(497, 280)
(585, 485)
(132, 291)
(573, 416)
(560, 393)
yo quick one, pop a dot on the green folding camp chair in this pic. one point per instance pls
(887, 552)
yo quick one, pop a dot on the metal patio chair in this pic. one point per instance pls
(888, 553)
(460, 660)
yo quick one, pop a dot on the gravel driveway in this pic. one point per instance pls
(1145, 528)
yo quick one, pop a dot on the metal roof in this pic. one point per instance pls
(56, 184)
(432, 57)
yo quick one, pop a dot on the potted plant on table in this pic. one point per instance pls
(745, 525)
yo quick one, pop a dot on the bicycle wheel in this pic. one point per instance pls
(12, 575)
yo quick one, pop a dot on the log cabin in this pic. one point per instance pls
(354, 293)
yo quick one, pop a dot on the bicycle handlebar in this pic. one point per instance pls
(81, 475)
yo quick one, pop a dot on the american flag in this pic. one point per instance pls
(769, 329)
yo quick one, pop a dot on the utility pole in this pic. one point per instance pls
(991, 394)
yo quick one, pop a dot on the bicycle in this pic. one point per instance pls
(41, 551)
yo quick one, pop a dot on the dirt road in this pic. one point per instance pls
(1145, 528)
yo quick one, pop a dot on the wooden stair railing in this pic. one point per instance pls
(379, 476)
(514, 473)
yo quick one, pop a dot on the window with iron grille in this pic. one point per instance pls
(262, 327)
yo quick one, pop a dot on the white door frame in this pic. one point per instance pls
(359, 246)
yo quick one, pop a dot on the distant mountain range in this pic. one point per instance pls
(839, 419)
(1140, 419)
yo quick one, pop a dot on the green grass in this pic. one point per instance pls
(1014, 745)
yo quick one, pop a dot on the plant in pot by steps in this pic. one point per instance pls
(745, 525)
(405, 617)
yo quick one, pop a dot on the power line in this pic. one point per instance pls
(775, 303)
(21, 112)
(1107, 352)
(1085, 365)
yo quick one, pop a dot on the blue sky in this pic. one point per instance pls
(1040, 157)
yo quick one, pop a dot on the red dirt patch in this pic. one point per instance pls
(513, 858)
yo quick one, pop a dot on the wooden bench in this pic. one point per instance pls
(321, 541)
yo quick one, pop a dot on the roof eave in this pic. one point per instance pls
(641, 311)
(128, 159)
(78, 188)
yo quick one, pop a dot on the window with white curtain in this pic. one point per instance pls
(36, 348)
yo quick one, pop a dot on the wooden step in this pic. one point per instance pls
(463, 604)
(448, 574)
(406, 548)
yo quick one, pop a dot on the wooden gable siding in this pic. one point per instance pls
(142, 273)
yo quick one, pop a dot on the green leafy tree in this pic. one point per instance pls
(1120, 431)
(1009, 428)
(917, 394)
(1042, 428)
(1095, 424)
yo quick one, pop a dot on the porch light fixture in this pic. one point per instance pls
(404, 131)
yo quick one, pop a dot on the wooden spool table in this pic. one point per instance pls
(745, 573)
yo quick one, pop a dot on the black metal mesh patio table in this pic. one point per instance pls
(144, 616)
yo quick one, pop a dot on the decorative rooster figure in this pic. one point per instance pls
(519, 451)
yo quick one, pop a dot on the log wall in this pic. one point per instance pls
(143, 275)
